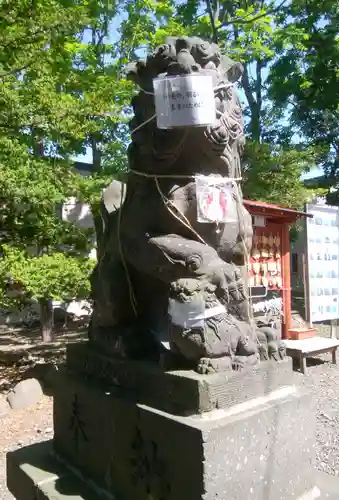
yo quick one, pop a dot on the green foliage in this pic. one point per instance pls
(27, 28)
(30, 190)
(273, 174)
(305, 78)
(41, 125)
(55, 276)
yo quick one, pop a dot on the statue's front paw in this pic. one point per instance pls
(214, 365)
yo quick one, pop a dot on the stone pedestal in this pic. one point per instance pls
(243, 447)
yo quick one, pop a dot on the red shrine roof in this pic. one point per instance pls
(272, 211)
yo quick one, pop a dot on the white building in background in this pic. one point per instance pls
(80, 213)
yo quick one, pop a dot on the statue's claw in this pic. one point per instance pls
(263, 352)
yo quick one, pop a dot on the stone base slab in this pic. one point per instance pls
(33, 472)
(261, 449)
(178, 392)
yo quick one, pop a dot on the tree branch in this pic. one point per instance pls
(240, 20)
(247, 87)
(212, 19)
(21, 42)
(17, 70)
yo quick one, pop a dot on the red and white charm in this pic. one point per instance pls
(215, 199)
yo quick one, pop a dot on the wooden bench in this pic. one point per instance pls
(301, 349)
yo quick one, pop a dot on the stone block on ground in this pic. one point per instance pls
(26, 393)
(261, 449)
(33, 472)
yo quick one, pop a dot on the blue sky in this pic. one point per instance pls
(314, 172)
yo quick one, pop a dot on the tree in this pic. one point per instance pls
(96, 77)
(40, 127)
(272, 174)
(44, 278)
(248, 32)
(305, 78)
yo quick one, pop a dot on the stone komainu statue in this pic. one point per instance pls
(156, 254)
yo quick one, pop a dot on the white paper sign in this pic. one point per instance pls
(215, 199)
(184, 101)
(259, 221)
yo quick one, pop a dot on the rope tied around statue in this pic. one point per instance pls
(177, 213)
(165, 200)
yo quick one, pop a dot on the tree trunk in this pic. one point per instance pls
(254, 127)
(213, 9)
(46, 319)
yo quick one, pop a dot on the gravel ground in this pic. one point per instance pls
(23, 427)
(323, 381)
